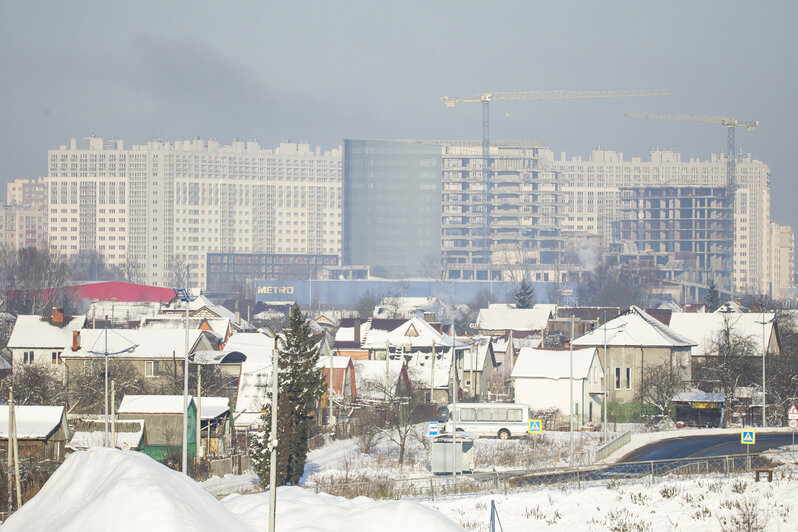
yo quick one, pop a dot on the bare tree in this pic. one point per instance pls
(731, 360)
(177, 269)
(34, 279)
(35, 384)
(87, 385)
(658, 386)
(132, 271)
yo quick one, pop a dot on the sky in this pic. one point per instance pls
(322, 71)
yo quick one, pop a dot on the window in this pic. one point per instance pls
(56, 357)
(617, 378)
(467, 414)
(499, 414)
(151, 368)
(628, 378)
(27, 357)
(515, 414)
(483, 414)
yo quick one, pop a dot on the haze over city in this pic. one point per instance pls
(319, 72)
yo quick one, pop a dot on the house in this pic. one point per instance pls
(636, 341)
(404, 338)
(480, 371)
(216, 425)
(380, 381)
(43, 339)
(155, 353)
(344, 386)
(432, 374)
(221, 327)
(541, 379)
(500, 318)
(348, 339)
(127, 435)
(703, 328)
(42, 431)
(163, 423)
(254, 383)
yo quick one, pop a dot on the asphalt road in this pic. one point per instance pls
(701, 446)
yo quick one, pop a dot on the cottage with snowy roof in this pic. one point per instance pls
(636, 341)
(500, 318)
(42, 431)
(541, 379)
(43, 339)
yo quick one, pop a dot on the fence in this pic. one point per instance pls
(592, 456)
(502, 482)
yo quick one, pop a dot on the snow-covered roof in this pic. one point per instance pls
(476, 354)
(152, 404)
(422, 371)
(256, 346)
(219, 326)
(202, 302)
(128, 434)
(697, 395)
(254, 386)
(704, 328)
(122, 310)
(554, 363)
(370, 377)
(150, 343)
(414, 332)
(403, 306)
(506, 317)
(212, 407)
(636, 328)
(338, 362)
(33, 422)
(345, 334)
(38, 333)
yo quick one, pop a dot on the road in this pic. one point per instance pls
(701, 446)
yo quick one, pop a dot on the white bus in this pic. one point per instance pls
(501, 420)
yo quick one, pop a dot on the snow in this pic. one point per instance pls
(152, 404)
(504, 317)
(34, 332)
(109, 489)
(125, 440)
(553, 363)
(212, 407)
(256, 346)
(150, 343)
(634, 329)
(33, 422)
(703, 328)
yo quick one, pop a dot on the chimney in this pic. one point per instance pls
(75, 340)
(58, 315)
(238, 318)
(357, 331)
(429, 317)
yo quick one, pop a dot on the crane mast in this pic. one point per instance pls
(731, 124)
(485, 98)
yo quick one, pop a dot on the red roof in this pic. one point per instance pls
(108, 290)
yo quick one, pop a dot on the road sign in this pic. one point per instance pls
(535, 426)
(793, 423)
(792, 413)
(433, 428)
(748, 437)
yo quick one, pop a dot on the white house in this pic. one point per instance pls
(499, 318)
(43, 339)
(541, 379)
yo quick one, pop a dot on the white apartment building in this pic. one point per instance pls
(22, 219)
(590, 190)
(782, 261)
(163, 205)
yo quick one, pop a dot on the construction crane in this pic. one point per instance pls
(729, 122)
(510, 96)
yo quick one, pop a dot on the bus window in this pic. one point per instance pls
(499, 414)
(467, 414)
(515, 414)
(483, 414)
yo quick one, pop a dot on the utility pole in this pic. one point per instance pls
(571, 392)
(12, 441)
(113, 414)
(199, 412)
(606, 378)
(273, 438)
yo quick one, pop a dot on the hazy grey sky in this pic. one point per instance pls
(322, 71)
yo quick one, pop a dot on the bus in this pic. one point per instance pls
(500, 420)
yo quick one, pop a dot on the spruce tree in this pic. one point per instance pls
(524, 295)
(712, 297)
(300, 387)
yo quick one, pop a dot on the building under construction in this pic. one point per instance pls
(688, 231)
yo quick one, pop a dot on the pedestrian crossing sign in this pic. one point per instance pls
(535, 426)
(748, 437)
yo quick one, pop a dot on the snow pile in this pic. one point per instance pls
(301, 510)
(109, 489)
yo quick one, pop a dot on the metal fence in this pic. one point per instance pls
(503, 482)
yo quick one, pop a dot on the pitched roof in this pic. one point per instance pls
(33, 422)
(704, 327)
(256, 346)
(149, 343)
(635, 328)
(554, 363)
(120, 291)
(152, 404)
(505, 317)
(39, 333)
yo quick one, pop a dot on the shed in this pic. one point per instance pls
(42, 431)
(163, 423)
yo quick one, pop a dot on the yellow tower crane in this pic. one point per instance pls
(510, 96)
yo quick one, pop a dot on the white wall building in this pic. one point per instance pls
(782, 261)
(592, 201)
(161, 204)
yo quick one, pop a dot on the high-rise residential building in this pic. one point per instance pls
(22, 219)
(592, 186)
(392, 207)
(782, 261)
(157, 207)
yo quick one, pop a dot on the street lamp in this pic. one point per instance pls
(105, 353)
(184, 295)
(764, 322)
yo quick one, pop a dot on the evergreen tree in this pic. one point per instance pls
(712, 297)
(524, 295)
(300, 386)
